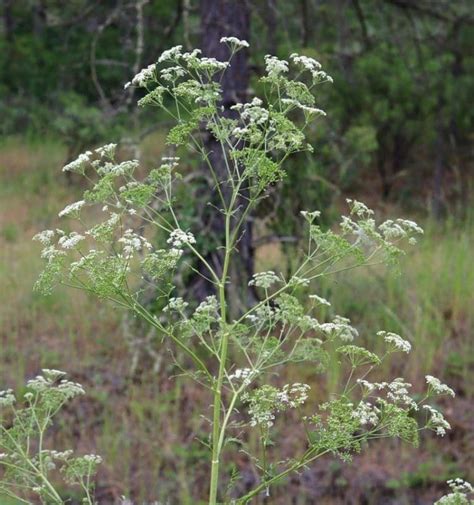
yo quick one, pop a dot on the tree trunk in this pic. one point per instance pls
(437, 199)
(220, 18)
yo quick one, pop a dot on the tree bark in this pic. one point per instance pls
(221, 18)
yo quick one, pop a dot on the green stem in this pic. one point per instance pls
(216, 422)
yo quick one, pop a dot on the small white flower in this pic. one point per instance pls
(132, 242)
(396, 341)
(438, 387)
(306, 62)
(79, 164)
(320, 300)
(274, 66)
(7, 398)
(243, 374)
(310, 216)
(170, 54)
(72, 209)
(366, 413)
(264, 279)
(398, 393)
(341, 328)
(175, 304)
(52, 373)
(234, 42)
(179, 238)
(144, 76)
(44, 237)
(359, 208)
(108, 150)
(437, 422)
(93, 458)
(70, 241)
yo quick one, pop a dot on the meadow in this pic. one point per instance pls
(141, 416)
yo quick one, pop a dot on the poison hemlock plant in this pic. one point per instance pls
(236, 359)
(459, 495)
(29, 469)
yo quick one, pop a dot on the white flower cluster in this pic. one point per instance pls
(107, 151)
(234, 42)
(320, 300)
(58, 455)
(371, 386)
(359, 209)
(437, 387)
(53, 374)
(245, 375)
(143, 77)
(306, 62)
(178, 238)
(79, 164)
(70, 241)
(267, 400)
(395, 340)
(398, 393)
(241, 373)
(170, 161)
(264, 279)
(274, 66)
(133, 242)
(261, 417)
(175, 304)
(212, 64)
(44, 237)
(7, 398)
(171, 54)
(207, 306)
(437, 422)
(172, 74)
(459, 495)
(460, 486)
(72, 209)
(400, 228)
(253, 112)
(47, 381)
(308, 111)
(293, 395)
(307, 322)
(366, 413)
(312, 66)
(93, 459)
(341, 328)
(193, 61)
(311, 111)
(310, 216)
(124, 168)
(50, 253)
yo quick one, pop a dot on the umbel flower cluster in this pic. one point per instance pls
(27, 464)
(130, 234)
(461, 490)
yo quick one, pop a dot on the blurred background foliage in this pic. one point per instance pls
(398, 135)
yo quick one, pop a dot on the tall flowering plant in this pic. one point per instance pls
(144, 239)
